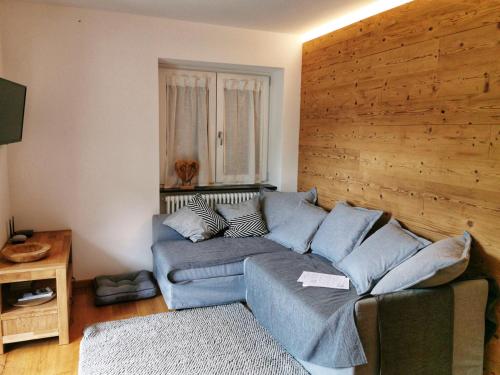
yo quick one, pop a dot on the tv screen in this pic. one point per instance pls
(12, 99)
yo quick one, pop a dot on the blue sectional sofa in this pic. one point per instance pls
(295, 316)
(264, 274)
(214, 279)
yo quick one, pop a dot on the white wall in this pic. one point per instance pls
(4, 195)
(89, 157)
(4, 178)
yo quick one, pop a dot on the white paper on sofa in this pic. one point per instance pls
(323, 280)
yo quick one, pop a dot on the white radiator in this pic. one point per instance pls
(174, 202)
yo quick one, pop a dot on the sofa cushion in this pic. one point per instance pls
(231, 211)
(437, 264)
(313, 324)
(297, 231)
(278, 206)
(170, 257)
(209, 272)
(378, 254)
(244, 219)
(251, 225)
(162, 232)
(187, 224)
(343, 229)
(196, 220)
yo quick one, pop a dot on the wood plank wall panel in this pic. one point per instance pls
(402, 112)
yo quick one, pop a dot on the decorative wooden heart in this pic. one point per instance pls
(186, 170)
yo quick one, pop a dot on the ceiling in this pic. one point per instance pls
(285, 16)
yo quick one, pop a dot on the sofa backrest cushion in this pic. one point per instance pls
(297, 231)
(344, 228)
(278, 206)
(437, 264)
(384, 250)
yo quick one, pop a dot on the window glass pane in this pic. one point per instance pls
(240, 118)
(189, 125)
(239, 113)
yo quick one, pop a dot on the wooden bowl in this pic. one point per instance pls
(26, 252)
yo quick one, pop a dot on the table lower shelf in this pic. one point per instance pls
(26, 323)
(35, 322)
(8, 339)
(13, 312)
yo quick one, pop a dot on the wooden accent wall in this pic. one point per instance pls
(402, 112)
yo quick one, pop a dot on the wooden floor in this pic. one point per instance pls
(46, 357)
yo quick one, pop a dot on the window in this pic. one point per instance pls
(220, 120)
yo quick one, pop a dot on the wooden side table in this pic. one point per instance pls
(49, 319)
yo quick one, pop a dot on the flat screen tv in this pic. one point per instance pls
(12, 99)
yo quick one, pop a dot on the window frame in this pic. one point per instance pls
(215, 121)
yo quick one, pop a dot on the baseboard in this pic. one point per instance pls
(82, 284)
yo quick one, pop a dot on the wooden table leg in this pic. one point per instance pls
(62, 306)
(1, 333)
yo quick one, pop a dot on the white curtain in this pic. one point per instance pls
(187, 125)
(242, 130)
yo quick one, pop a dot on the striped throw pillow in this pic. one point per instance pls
(212, 219)
(251, 225)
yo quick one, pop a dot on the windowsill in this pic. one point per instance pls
(234, 187)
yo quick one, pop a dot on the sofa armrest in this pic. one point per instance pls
(162, 232)
(469, 304)
(366, 311)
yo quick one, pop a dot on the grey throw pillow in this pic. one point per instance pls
(437, 264)
(188, 224)
(344, 228)
(197, 220)
(278, 206)
(297, 231)
(378, 254)
(244, 219)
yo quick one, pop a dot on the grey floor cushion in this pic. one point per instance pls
(125, 287)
